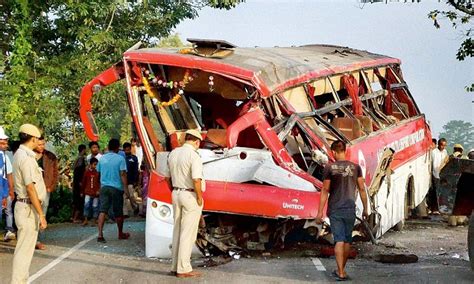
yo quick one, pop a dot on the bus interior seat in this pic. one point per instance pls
(176, 139)
(151, 134)
(366, 123)
(349, 127)
(217, 136)
(397, 114)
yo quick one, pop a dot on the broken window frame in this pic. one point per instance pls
(296, 120)
(401, 84)
(386, 121)
(337, 99)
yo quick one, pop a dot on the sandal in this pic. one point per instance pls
(101, 240)
(40, 246)
(124, 236)
(339, 278)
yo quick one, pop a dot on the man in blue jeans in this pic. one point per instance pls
(340, 180)
(113, 181)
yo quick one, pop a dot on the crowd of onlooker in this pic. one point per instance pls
(86, 182)
(85, 185)
(439, 158)
(110, 184)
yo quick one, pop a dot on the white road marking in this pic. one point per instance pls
(319, 265)
(60, 258)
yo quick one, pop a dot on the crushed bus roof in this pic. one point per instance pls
(277, 67)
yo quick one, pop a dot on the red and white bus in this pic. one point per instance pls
(268, 116)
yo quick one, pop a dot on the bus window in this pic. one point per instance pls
(152, 122)
(400, 92)
(375, 105)
(302, 148)
(197, 110)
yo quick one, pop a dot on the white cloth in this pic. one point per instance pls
(437, 159)
(98, 156)
(8, 159)
(139, 154)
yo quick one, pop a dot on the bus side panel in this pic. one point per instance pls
(247, 199)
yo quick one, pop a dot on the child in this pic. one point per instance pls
(90, 189)
(145, 179)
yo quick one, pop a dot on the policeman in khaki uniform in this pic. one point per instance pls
(31, 191)
(185, 167)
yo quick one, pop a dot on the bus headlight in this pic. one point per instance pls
(164, 211)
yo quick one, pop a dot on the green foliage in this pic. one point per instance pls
(458, 131)
(171, 41)
(59, 209)
(460, 19)
(50, 49)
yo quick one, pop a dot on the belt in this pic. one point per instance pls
(185, 189)
(24, 200)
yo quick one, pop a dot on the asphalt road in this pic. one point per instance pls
(74, 256)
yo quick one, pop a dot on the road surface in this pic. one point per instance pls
(74, 256)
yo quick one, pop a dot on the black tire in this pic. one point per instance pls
(470, 240)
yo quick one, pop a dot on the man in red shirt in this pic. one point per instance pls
(90, 190)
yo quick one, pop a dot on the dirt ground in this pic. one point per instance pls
(432, 239)
(426, 238)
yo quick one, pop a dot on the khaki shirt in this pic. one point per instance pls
(184, 164)
(27, 171)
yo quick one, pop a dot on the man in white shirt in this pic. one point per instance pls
(438, 158)
(6, 194)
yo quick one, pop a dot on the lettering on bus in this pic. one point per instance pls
(404, 142)
(293, 206)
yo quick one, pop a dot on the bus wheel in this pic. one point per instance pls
(470, 240)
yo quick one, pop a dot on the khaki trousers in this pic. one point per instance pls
(186, 221)
(129, 201)
(27, 221)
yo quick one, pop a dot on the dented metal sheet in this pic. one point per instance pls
(252, 164)
(272, 174)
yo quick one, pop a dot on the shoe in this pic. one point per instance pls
(9, 236)
(84, 223)
(124, 236)
(173, 273)
(101, 240)
(189, 274)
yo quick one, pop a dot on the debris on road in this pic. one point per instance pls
(396, 258)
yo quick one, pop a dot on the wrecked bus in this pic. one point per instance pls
(268, 117)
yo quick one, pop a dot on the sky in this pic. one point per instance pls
(402, 30)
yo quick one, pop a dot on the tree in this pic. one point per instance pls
(460, 19)
(458, 131)
(49, 49)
